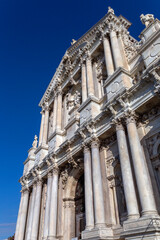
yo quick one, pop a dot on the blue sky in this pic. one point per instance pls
(34, 35)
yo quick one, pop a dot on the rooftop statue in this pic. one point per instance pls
(147, 19)
(73, 41)
(34, 144)
(110, 10)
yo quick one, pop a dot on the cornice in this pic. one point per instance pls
(57, 78)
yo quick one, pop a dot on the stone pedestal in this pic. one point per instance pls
(143, 228)
(90, 108)
(40, 153)
(117, 83)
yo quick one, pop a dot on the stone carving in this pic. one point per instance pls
(77, 98)
(73, 41)
(130, 45)
(64, 177)
(34, 144)
(110, 10)
(147, 19)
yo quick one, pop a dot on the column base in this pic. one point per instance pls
(143, 228)
(98, 233)
(51, 238)
(132, 217)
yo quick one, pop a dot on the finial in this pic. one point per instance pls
(73, 41)
(110, 10)
(147, 19)
(34, 144)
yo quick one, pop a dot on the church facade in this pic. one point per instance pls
(95, 173)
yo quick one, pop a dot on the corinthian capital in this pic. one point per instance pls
(131, 117)
(118, 123)
(95, 143)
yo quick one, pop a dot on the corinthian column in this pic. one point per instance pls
(53, 206)
(36, 212)
(129, 189)
(18, 218)
(84, 82)
(97, 186)
(90, 83)
(47, 209)
(116, 50)
(59, 109)
(41, 128)
(88, 189)
(55, 113)
(108, 56)
(23, 216)
(143, 182)
(45, 128)
(29, 227)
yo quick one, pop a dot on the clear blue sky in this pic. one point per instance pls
(34, 35)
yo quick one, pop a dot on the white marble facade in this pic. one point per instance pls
(94, 173)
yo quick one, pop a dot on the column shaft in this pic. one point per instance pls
(141, 173)
(53, 207)
(84, 82)
(47, 209)
(55, 113)
(41, 128)
(29, 227)
(36, 213)
(108, 56)
(23, 217)
(88, 189)
(59, 110)
(18, 218)
(121, 46)
(97, 186)
(45, 129)
(90, 84)
(116, 50)
(129, 189)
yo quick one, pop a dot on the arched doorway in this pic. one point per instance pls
(80, 207)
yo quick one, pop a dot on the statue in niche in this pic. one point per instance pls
(34, 144)
(147, 19)
(77, 98)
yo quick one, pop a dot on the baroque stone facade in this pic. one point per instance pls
(95, 173)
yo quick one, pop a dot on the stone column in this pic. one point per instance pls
(121, 46)
(59, 109)
(143, 182)
(23, 216)
(41, 128)
(45, 129)
(97, 186)
(69, 221)
(129, 189)
(55, 113)
(47, 209)
(108, 56)
(19, 216)
(29, 227)
(90, 84)
(84, 82)
(116, 50)
(53, 206)
(36, 212)
(88, 189)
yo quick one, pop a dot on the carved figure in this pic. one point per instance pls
(73, 41)
(77, 98)
(147, 19)
(34, 144)
(110, 10)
